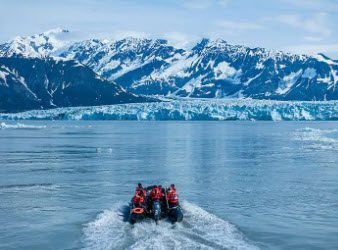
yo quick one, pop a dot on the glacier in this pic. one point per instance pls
(191, 109)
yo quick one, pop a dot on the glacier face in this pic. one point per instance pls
(192, 109)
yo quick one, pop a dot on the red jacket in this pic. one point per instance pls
(140, 189)
(172, 197)
(156, 194)
(138, 199)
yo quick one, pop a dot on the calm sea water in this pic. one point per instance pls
(243, 185)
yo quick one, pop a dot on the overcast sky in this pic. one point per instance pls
(300, 26)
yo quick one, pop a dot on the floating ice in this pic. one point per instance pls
(4, 125)
(104, 150)
(317, 139)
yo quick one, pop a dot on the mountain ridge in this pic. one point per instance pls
(210, 69)
(36, 83)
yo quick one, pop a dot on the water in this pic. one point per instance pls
(243, 185)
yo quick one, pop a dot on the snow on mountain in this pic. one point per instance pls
(39, 45)
(35, 83)
(131, 61)
(211, 69)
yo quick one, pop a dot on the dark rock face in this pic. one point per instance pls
(34, 83)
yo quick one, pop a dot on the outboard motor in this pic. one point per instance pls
(175, 214)
(156, 211)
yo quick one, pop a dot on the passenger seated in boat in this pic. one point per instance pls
(138, 199)
(140, 188)
(172, 196)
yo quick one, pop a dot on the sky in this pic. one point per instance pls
(297, 26)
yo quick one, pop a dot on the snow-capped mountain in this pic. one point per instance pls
(212, 68)
(40, 45)
(35, 83)
(129, 62)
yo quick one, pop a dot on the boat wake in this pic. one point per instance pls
(199, 230)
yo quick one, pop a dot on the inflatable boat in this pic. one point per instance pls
(156, 210)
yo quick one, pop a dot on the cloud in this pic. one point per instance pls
(312, 49)
(326, 5)
(313, 38)
(235, 27)
(318, 23)
(204, 4)
(180, 40)
(223, 3)
(196, 4)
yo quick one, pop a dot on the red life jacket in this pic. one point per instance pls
(172, 197)
(138, 199)
(140, 189)
(155, 194)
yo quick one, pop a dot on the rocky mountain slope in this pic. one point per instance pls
(211, 69)
(35, 83)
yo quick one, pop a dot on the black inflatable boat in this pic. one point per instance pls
(156, 210)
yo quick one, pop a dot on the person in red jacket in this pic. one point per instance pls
(155, 193)
(172, 188)
(140, 188)
(172, 196)
(139, 199)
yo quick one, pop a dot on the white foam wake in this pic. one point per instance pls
(199, 230)
(20, 126)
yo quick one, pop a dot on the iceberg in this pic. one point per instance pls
(3, 125)
(192, 109)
